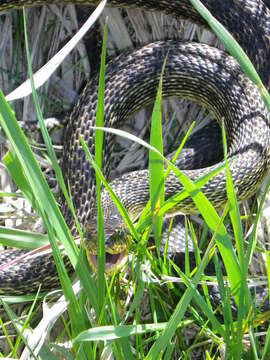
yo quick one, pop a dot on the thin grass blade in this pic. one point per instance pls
(156, 169)
(22, 239)
(98, 160)
(234, 48)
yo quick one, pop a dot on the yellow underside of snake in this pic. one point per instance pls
(193, 71)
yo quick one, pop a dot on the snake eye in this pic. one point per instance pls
(122, 234)
(88, 235)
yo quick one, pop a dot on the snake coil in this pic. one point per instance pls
(193, 71)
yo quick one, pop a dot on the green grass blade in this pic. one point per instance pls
(6, 335)
(16, 172)
(267, 254)
(266, 348)
(234, 48)
(98, 160)
(233, 205)
(137, 296)
(10, 194)
(30, 167)
(238, 236)
(126, 349)
(212, 219)
(112, 332)
(26, 321)
(226, 305)
(143, 219)
(202, 304)
(22, 239)
(156, 169)
(177, 198)
(253, 237)
(115, 199)
(253, 344)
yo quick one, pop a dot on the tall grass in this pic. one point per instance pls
(99, 322)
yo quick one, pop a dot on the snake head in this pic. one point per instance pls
(116, 246)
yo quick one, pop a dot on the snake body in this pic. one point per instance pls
(193, 71)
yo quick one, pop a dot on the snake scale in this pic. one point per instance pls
(193, 71)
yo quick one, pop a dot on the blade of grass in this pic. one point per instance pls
(31, 169)
(16, 172)
(233, 47)
(98, 160)
(267, 254)
(253, 237)
(253, 344)
(21, 239)
(144, 219)
(243, 307)
(156, 169)
(122, 211)
(178, 197)
(143, 215)
(26, 321)
(41, 192)
(126, 349)
(202, 304)
(10, 194)
(115, 332)
(6, 335)
(117, 202)
(226, 306)
(266, 348)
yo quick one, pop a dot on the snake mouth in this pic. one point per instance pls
(111, 261)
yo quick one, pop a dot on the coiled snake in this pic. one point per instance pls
(194, 71)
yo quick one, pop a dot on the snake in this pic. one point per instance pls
(193, 71)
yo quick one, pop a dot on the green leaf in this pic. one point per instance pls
(111, 332)
(156, 170)
(16, 172)
(98, 160)
(22, 239)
